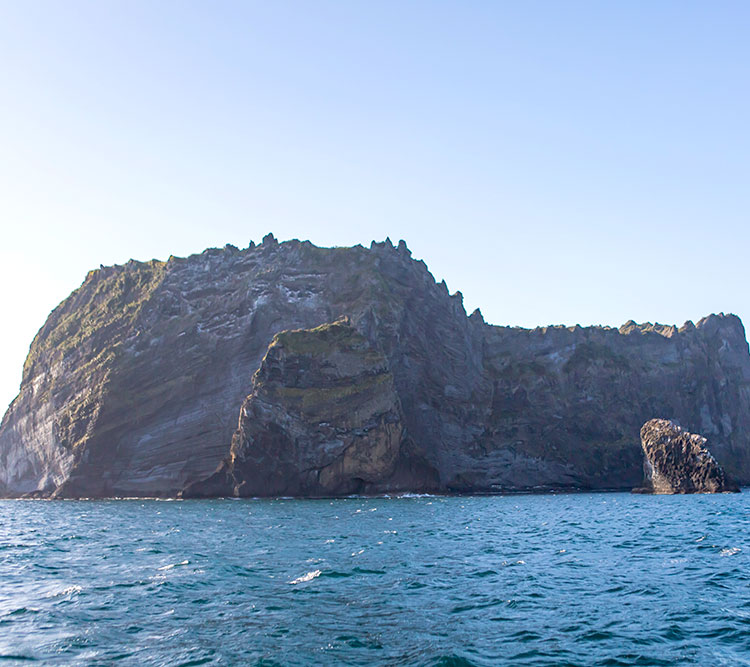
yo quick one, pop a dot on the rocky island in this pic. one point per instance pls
(289, 369)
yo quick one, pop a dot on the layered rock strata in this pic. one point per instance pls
(323, 419)
(677, 461)
(134, 384)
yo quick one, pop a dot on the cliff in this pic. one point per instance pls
(149, 379)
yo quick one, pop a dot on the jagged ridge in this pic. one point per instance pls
(134, 385)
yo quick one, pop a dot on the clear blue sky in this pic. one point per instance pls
(557, 162)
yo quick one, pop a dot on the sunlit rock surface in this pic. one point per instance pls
(134, 385)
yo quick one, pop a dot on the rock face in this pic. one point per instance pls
(323, 419)
(677, 461)
(134, 384)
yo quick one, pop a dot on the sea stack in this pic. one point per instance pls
(677, 461)
(323, 419)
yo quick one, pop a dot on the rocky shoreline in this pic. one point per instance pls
(561, 491)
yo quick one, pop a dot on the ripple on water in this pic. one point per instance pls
(17, 657)
(534, 580)
(452, 661)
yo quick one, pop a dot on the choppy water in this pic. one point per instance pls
(592, 579)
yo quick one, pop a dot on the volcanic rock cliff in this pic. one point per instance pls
(149, 380)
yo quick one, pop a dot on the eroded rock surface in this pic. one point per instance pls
(134, 384)
(323, 419)
(677, 461)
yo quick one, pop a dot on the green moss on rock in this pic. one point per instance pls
(108, 302)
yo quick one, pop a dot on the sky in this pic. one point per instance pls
(557, 162)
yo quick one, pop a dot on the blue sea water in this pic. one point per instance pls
(585, 579)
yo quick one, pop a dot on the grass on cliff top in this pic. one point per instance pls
(108, 300)
(324, 338)
(338, 336)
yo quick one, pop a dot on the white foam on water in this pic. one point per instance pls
(65, 591)
(169, 567)
(730, 552)
(306, 577)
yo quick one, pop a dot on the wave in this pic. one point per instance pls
(731, 551)
(306, 577)
(173, 565)
(65, 591)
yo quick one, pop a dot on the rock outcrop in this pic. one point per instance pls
(677, 461)
(134, 384)
(323, 419)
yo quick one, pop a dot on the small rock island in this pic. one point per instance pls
(677, 461)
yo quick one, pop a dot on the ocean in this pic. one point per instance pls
(559, 579)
